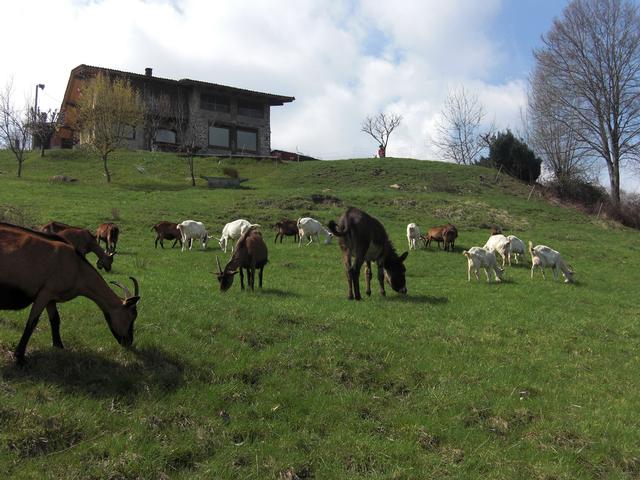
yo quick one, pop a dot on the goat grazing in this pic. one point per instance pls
(287, 228)
(364, 238)
(449, 237)
(41, 270)
(233, 230)
(543, 256)
(108, 233)
(83, 241)
(251, 254)
(435, 233)
(310, 227)
(478, 258)
(167, 231)
(413, 235)
(191, 230)
(500, 244)
(516, 248)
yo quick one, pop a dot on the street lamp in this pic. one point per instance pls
(35, 112)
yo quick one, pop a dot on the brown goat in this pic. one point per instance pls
(364, 238)
(108, 233)
(42, 270)
(250, 253)
(167, 231)
(288, 228)
(495, 230)
(435, 233)
(449, 237)
(83, 240)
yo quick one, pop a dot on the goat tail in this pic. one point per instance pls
(333, 227)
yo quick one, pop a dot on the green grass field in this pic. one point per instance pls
(524, 379)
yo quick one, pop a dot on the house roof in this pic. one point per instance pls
(271, 99)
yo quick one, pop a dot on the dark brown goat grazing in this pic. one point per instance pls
(364, 238)
(249, 253)
(83, 240)
(167, 231)
(108, 233)
(287, 228)
(495, 230)
(42, 270)
(449, 236)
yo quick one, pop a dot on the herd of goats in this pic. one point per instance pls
(46, 267)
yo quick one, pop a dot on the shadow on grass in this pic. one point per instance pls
(94, 374)
(418, 299)
(276, 292)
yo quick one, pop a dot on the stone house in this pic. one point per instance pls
(218, 119)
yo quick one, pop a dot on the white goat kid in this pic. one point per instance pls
(500, 244)
(516, 248)
(233, 231)
(309, 227)
(191, 230)
(543, 256)
(413, 236)
(478, 258)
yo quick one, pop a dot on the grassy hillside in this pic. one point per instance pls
(525, 379)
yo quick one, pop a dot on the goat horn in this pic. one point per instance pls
(218, 262)
(125, 290)
(136, 287)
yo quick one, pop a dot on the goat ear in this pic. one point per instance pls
(403, 257)
(131, 301)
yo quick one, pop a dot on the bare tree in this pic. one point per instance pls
(590, 63)
(560, 148)
(157, 111)
(458, 135)
(107, 111)
(381, 126)
(189, 135)
(43, 125)
(14, 126)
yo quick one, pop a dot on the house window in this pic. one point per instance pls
(247, 140)
(214, 103)
(250, 109)
(128, 132)
(219, 136)
(165, 136)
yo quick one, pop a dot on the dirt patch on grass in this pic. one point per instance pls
(478, 214)
(48, 435)
(16, 216)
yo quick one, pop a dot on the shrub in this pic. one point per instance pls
(513, 156)
(230, 172)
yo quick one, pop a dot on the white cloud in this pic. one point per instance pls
(342, 60)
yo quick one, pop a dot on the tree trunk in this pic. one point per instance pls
(193, 178)
(614, 181)
(20, 166)
(106, 169)
(42, 150)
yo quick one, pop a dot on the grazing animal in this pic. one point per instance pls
(543, 256)
(495, 230)
(500, 244)
(365, 239)
(435, 233)
(83, 241)
(449, 237)
(287, 228)
(516, 248)
(167, 231)
(191, 230)
(413, 235)
(108, 233)
(309, 227)
(478, 258)
(42, 270)
(250, 254)
(232, 231)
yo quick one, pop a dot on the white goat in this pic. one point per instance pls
(232, 231)
(190, 230)
(413, 236)
(480, 258)
(516, 248)
(543, 256)
(308, 227)
(500, 244)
